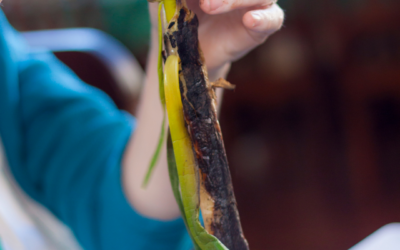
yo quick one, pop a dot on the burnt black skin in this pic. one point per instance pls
(206, 133)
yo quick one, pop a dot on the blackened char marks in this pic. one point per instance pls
(187, 41)
(181, 18)
(172, 41)
(170, 25)
(166, 39)
(206, 134)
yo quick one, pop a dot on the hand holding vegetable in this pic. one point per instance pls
(228, 32)
(198, 167)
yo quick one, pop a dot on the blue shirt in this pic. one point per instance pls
(64, 141)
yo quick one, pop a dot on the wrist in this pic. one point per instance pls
(152, 57)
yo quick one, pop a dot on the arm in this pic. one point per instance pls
(157, 199)
(223, 41)
(64, 142)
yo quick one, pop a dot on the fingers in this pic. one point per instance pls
(263, 22)
(222, 6)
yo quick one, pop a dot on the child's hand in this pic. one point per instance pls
(229, 29)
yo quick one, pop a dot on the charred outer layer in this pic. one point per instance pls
(205, 132)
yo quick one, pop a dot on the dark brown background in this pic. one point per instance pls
(312, 131)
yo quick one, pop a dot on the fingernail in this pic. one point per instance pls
(215, 4)
(256, 19)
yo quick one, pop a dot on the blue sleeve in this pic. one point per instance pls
(70, 144)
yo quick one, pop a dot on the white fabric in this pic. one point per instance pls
(24, 224)
(385, 238)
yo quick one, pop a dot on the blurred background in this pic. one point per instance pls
(312, 131)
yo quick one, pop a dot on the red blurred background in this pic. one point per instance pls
(312, 130)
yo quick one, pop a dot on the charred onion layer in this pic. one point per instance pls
(199, 104)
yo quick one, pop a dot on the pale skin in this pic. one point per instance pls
(228, 30)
